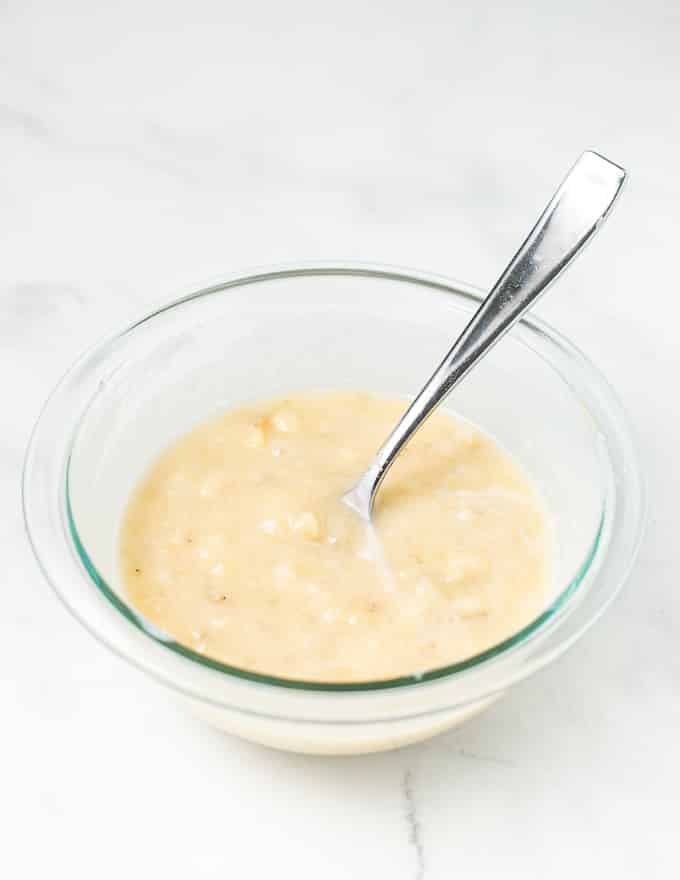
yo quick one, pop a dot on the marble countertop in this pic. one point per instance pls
(146, 146)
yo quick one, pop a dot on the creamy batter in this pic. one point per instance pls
(237, 545)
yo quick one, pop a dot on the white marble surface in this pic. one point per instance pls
(147, 145)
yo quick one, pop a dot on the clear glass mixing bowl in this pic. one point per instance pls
(328, 327)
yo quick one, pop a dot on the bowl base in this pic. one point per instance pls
(333, 739)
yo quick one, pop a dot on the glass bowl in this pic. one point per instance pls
(312, 327)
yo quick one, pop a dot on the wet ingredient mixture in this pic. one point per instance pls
(237, 545)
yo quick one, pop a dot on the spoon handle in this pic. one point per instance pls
(569, 221)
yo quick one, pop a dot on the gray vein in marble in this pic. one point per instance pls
(27, 309)
(152, 161)
(189, 144)
(489, 759)
(30, 125)
(415, 836)
(476, 756)
(64, 137)
(22, 78)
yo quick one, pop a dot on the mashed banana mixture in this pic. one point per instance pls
(237, 545)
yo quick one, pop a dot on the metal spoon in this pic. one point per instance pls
(571, 218)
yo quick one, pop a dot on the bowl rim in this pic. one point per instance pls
(544, 624)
